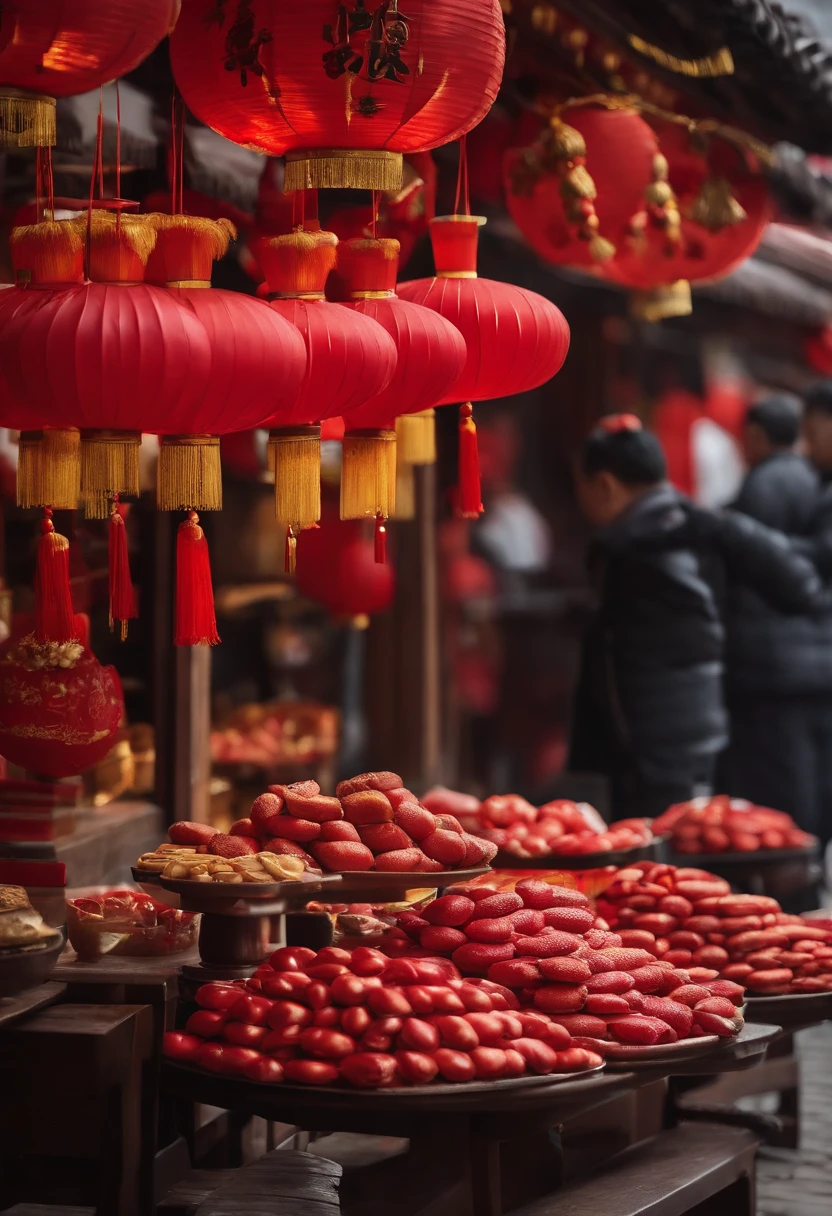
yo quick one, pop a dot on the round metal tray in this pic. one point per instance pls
(26, 968)
(683, 1049)
(759, 857)
(652, 851)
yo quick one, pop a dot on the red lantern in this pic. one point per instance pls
(336, 567)
(63, 47)
(554, 209)
(342, 87)
(516, 339)
(725, 207)
(431, 357)
(350, 360)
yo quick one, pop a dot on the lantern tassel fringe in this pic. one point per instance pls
(122, 598)
(215, 234)
(49, 469)
(469, 505)
(416, 437)
(674, 300)
(109, 466)
(295, 456)
(715, 207)
(189, 474)
(196, 622)
(368, 475)
(340, 169)
(290, 557)
(405, 491)
(27, 122)
(54, 618)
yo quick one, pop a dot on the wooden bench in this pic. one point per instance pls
(697, 1168)
(285, 1181)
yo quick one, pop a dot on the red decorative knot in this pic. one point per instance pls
(613, 423)
(46, 525)
(193, 517)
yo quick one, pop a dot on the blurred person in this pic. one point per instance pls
(649, 709)
(778, 669)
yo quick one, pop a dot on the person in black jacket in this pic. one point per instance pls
(649, 708)
(778, 671)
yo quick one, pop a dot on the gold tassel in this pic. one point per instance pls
(49, 469)
(577, 183)
(368, 474)
(715, 206)
(342, 169)
(416, 437)
(27, 120)
(719, 64)
(405, 491)
(109, 466)
(564, 142)
(295, 456)
(190, 474)
(600, 249)
(674, 300)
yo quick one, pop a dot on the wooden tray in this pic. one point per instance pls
(374, 885)
(23, 969)
(726, 1055)
(653, 851)
(793, 1009)
(759, 857)
(684, 1049)
(240, 1094)
(221, 896)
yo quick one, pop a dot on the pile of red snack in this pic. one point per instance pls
(689, 917)
(356, 1017)
(545, 947)
(561, 827)
(728, 825)
(372, 824)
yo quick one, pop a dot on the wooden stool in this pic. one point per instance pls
(282, 1181)
(78, 1138)
(696, 1166)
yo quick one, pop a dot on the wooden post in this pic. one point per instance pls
(192, 733)
(430, 743)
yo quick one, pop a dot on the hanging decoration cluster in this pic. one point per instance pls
(342, 88)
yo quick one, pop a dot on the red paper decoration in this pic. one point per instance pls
(620, 150)
(516, 339)
(350, 360)
(431, 357)
(342, 87)
(725, 207)
(63, 47)
(336, 568)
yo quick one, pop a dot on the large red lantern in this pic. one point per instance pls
(57, 48)
(579, 215)
(336, 567)
(341, 87)
(431, 357)
(725, 207)
(350, 360)
(515, 339)
(258, 360)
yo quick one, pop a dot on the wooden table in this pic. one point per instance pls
(30, 1001)
(730, 1055)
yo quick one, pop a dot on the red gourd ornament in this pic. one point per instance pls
(342, 88)
(58, 48)
(431, 357)
(350, 360)
(336, 568)
(515, 339)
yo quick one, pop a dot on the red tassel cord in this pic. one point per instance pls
(470, 495)
(195, 623)
(54, 618)
(290, 557)
(122, 599)
(380, 540)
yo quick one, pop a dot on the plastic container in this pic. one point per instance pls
(128, 923)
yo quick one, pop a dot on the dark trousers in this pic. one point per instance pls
(780, 755)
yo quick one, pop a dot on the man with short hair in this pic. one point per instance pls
(649, 709)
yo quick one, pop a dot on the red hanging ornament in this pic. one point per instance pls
(54, 617)
(341, 87)
(122, 598)
(431, 355)
(57, 48)
(576, 191)
(337, 567)
(350, 360)
(515, 339)
(195, 622)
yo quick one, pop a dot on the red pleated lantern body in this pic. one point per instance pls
(620, 151)
(336, 568)
(258, 360)
(341, 87)
(350, 360)
(725, 207)
(515, 339)
(64, 47)
(114, 357)
(431, 357)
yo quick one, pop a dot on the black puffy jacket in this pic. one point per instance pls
(650, 696)
(768, 650)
